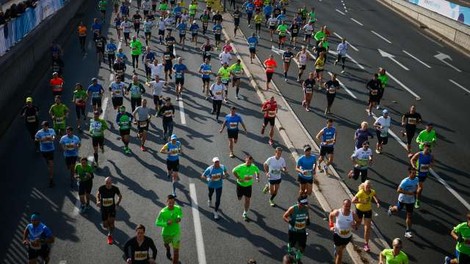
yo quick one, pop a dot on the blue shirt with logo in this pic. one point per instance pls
(307, 164)
(46, 146)
(70, 143)
(214, 176)
(232, 122)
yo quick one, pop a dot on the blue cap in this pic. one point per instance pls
(34, 217)
(173, 137)
(385, 111)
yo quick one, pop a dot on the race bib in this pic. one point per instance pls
(31, 119)
(140, 255)
(142, 124)
(59, 120)
(233, 124)
(107, 202)
(300, 225)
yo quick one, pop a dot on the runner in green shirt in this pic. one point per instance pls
(383, 79)
(97, 128)
(80, 97)
(192, 11)
(427, 135)
(59, 112)
(169, 219)
(236, 70)
(461, 233)
(282, 31)
(84, 175)
(244, 173)
(393, 255)
(136, 51)
(102, 5)
(224, 73)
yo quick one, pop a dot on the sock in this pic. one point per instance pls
(95, 155)
(272, 196)
(174, 187)
(285, 75)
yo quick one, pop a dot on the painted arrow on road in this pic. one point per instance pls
(391, 57)
(277, 51)
(442, 57)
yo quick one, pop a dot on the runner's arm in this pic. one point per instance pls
(287, 214)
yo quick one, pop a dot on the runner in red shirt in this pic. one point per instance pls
(270, 64)
(269, 108)
(57, 84)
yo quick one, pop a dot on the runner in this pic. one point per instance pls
(206, 49)
(236, 21)
(269, 108)
(30, 113)
(180, 69)
(194, 28)
(95, 91)
(126, 27)
(342, 221)
(236, 70)
(319, 68)
(102, 6)
(409, 120)
(97, 128)
(124, 121)
(422, 161)
(259, 17)
(167, 112)
(168, 57)
(270, 64)
(59, 112)
(252, 43)
(57, 84)
(100, 44)
(148, 26)
(136, 90)
(149, 58)
(427, 135)
(406, 198)
(218, 90)
(84, 175)
(282, 32)
(308, 31)
(105, 199)
(119, 68)
(342, 50)
(157, 89)
(169, 219)
(249, 9)
(373, 86)
(217, 30)
(327, 137)
(382, 125)
(225, 57)
(307, 87)
(111, 49)
(117, 25)
(362, 159)
(79, 98)
(70, 144)
(205, 70)
(461, 233)
(294, 32)
(272, 23)
(362, 135)
(394, 255)
(137, 19)
(286, 59)
(173, 149)
(96, 27)
(193, 6)
(46, 137)
(117, 89)
(383, 78)
(274, 167)
(363, 202)
(302, 57)
(57, 65)
(214, 176)
(205, 21)
(136, 51)
(224, 74)
(232, 121)
(297, 216)
(306, 171)
(82, 32)
(182, 27)
(37, 237)
(244, 174)
(331, 87)
(136, 249)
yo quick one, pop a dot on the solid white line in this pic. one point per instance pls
(357, 22)
(353, 60)
(181, 110)
(439, 179)
(339, 11)
(105, 105)
(417, 97)
(420, 61)
(76, 209)
(350, 45)
(380, 36)
(201, 254)
(460, 86)
(344, 87)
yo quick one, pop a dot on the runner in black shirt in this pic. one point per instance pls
(331, 86)
(167, 112)
(307, 86)
(170, 42)
(30, 113)
(286, 59)
(236, 20)
(374, 88)
(137, 248)
(100, 43)
(137, 19)
(105, 200)
(168, 57)
(409, 120)
(206, 50)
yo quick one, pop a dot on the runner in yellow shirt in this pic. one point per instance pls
(363, 201)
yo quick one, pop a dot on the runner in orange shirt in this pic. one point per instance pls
(270, 110)
(82, 30)
(270, 64)
(57, 84)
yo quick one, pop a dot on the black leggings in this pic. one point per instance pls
(218, 194)
(216, 105)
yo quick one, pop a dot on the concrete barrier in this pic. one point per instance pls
(449, 29)
(24, 66)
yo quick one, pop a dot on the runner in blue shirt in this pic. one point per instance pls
(252, 43)
(231, 121)
(217, 30)
(95, 91)
(182, 27)
(249, 9)
(37, 237)
(70, 144)
(214, 176)
(46, 137)
(306, 166)
(179, 69)
(194, 28)
(96, 28)
(111, 49)
(173, 150)
(267, 11)
(327, 137)
(206, 70)
(422, 161)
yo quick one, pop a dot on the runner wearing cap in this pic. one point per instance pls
(59, 112)
(244, 173)
(297, 217)
(327, 137)
(124, 121)
(194, 28)
(362, 159)
(422, 161)
(57, 84)
(427, 135)
(306, 168)
(382, 125)
(70, 144)
(232, 121)
(169, 219)
(274, 167)
(173, 149)
(95, 91)
(342, 221)
(97, 128)
(142, 119)
(105, 199)
(46, 137)
(269, 108)
(214, 176)
(37, 237)
(84, 175)
(80, 98)
(30, 113)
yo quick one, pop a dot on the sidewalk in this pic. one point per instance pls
(332, 191)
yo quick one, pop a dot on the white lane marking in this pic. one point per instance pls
(277, 51)
(392, 58)
(439, 179)
(339, 11)
(350, 45)
(442, 57)
(357, 22)
(76, 209)
(181, 108)
(418, 60)
(348, 56)
(344, 87)
(105, 105)
(380, 36)
(417, 97)
(460, 86)
(201, 254)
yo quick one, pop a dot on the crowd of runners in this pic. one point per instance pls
(163, 72)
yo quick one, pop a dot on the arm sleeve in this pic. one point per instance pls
(153, 248)
(160, 221)
(126, 248)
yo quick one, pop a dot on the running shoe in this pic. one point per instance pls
(366, 248)
(377, 151)
(82, 209)
(271, 203)
(447, 260)
(216, 216)
(417, 204)
(271, 142)
(232, 155)
(262, 130)
(128, 150)
(389, 211)
(143, 148)
(209, 203)
(408, 234)
(378, 107)
(110, 239)
(245, 216)
(266, 188)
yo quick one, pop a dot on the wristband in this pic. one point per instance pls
(331, 224)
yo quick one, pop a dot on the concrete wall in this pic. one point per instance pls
(22, 69)
(453, 31)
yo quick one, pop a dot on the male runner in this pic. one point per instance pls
(105, 199)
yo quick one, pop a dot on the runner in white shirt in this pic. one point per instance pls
(225, 57)
(157, 88)
(342, 221)
(342, 50)
(148, 26)
(156, 69)
(272, 24)
(302, 57)
(274, 167)
(217, 91)
(126, 27)
(161, 30)
(308, 30)
(117, 89)
(382, 124)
